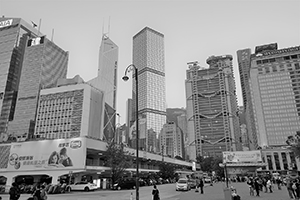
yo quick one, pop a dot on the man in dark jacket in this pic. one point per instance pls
(201, 185)
(14, 192)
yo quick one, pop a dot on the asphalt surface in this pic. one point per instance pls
(167, 192)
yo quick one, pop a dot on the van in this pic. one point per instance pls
(183, 184)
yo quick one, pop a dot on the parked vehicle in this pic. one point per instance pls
(192, 183)
(84, 186)
(124, 184)
(183, 184)
(207, 180)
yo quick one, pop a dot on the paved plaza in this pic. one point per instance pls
(167, 192)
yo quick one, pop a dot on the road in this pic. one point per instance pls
(167, 192)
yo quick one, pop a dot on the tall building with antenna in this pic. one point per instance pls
(106, 81)
(28, 63)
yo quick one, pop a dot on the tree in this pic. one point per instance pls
(117, 159)
(166, 170)
(179, 157)
(294, 143)
(210, 164)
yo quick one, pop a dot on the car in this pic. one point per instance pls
(124, 184)
(183, 184)
(207, 180)
(84, 186)
(192, 183)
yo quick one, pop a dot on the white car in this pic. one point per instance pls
(183, 184)
(85, 186)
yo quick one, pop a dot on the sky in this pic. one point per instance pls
(193, 31)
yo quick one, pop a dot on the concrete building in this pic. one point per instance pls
(275, 94)
(14, 36)
(171, 140)
(69, 111)
(148, 57)
(213, 124)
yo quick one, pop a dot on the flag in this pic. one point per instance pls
(33, 24)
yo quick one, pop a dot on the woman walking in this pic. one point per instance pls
(155, 193)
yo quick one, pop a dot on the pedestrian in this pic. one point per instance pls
(155, 193)
(43, 193)
(37, 193)
(201, 185)
(14, 192)
(256, 186)
(279, 182)
(289, 188)
(269, 185)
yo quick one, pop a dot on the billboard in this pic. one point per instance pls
(47, 155)
(242, 156)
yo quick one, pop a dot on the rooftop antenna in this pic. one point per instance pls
(108, 26)
(103, 27)
(52, 35)
(39, 27)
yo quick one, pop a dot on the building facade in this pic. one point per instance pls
(212, 113)
(171, 140)
(275, 94)
(148, 57)
(44, 63)
(14, 34)
(107, 82)
(69, 111)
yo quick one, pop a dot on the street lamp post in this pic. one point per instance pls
(125, 78)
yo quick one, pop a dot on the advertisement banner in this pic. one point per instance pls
(242, 156)
(47, 155)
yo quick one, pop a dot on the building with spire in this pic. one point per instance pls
(107, 82)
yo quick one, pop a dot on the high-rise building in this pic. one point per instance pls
(243, 58)
(148, 58)
(107, 82)
(14, 33)
(171, 140)
(72, 109)
(43, 64)
(275, 94)
(213, 124)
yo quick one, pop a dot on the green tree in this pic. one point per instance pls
(166, 170)
(210, 164)
(118, 159)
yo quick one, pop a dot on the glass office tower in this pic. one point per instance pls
(148, 57)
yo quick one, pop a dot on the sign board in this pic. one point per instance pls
(6, 23)
(47, 155)
(242, 156)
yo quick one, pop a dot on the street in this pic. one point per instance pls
(167, 192)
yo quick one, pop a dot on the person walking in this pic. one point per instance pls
(14, 192)
(43, 193)
(155, 193)
(37, 193)
(256, 186)
(269, 185)
(201, 185)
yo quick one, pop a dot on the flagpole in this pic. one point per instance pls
(40, 24)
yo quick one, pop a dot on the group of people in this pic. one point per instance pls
(38, 194)
(258, 184)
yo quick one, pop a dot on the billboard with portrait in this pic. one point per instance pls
(47, 155)
(242, 156)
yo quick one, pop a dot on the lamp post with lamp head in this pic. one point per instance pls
(126, 78)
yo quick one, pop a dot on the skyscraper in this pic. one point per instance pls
(275, 93)
(14, 33)
(107, 82)
(148, 57)
(44, 63)
(213, 124)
